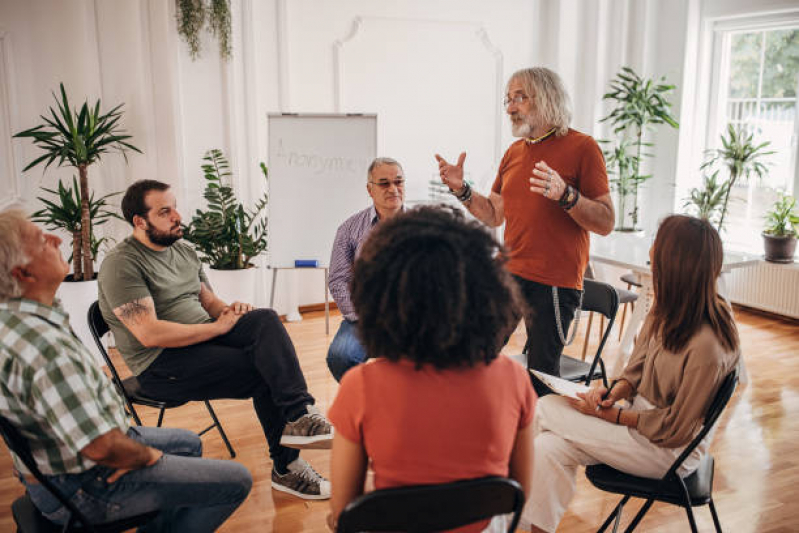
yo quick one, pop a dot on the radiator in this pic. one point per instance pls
(770, 287)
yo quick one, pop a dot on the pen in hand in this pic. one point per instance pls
(605, 396)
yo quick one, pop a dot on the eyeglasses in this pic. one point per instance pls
(518, 99)
(399, 183)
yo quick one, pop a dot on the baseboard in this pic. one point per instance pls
(311, 308)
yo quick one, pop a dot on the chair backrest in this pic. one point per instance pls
(19, 445)
(599, 297)
(99, 327)
(441, 507)
(715, 409)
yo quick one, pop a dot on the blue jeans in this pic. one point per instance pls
(193, 494)
(346, 350)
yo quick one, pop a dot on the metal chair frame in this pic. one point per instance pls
(129, 387)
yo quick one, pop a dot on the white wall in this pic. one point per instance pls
(433, 70)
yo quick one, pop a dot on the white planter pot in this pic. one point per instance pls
(235, 285)
(76, 297)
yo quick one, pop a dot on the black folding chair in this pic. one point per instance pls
(427, 508)
(27, 516)
(600, 298)
(691, 491)
(129, 388)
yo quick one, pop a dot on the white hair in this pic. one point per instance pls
(12, 252)
(550, 99)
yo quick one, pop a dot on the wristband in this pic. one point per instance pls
(618, 415)
(571, 204)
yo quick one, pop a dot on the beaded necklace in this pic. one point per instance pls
(540, 139)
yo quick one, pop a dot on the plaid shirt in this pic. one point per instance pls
(51, 388)
(349, 238)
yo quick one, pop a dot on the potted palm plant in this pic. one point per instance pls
(227, 236)
(706, 201)
(741, 157)
(639, 105)
(779, 235)
(79, 139)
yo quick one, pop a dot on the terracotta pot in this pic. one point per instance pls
(779, 249)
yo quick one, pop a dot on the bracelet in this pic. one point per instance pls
(465, 194)
(618, 415)
(571, 204)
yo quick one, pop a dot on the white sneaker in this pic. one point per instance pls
(311, 430)
(302, 481)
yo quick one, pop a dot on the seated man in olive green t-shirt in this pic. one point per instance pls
(184, 343)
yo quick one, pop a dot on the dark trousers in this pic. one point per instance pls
(255, 359)
(544, 346)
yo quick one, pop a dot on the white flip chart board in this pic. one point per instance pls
(317, 179)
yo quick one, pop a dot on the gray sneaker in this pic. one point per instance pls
(302, 481)
(311, 430)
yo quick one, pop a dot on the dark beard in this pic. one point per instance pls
(161, 238)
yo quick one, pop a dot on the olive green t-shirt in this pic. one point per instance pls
(171, 277)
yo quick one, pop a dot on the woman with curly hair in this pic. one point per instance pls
(687, 346)
(435, 403)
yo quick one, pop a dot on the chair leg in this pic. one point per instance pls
(219, 427)
(616, 513)
(715, 516)
(160, 417)
(621, 322)
(691, 519)
(639, 516)
(587, 333)
(133, 412)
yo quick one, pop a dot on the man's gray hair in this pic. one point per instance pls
(380, 161)
(12, 252)
(550, 99)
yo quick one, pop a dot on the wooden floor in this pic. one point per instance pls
(756, 447)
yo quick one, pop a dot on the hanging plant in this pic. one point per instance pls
(191, 18)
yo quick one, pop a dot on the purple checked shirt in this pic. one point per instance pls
(349, 239)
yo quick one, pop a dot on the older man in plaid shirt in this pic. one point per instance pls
(386, 185)
(74, 420)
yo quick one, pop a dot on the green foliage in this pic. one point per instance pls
(740, 156)
(779, 50)
(639, 105)
(63, 212)
(783, 218)
(78, 138)
(191, 17)
(226, 235)
(706, 201)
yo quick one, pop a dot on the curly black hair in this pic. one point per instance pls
(430, 287)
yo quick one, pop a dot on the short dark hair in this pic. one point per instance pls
(133, 201)
(430, 287)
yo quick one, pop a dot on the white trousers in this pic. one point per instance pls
(566, 439)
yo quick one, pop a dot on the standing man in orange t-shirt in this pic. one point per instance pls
(551, 190)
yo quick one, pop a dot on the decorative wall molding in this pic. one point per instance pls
(8, 157)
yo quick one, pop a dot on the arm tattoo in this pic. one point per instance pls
(133, 311)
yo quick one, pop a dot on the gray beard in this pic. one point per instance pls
(523, 129)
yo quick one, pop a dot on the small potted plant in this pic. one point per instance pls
(227, 236)
(779, 235)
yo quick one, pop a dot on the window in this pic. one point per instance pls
(756, 91)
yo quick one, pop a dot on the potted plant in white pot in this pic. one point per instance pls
(79, 138)
(779, 235)
(227, 236)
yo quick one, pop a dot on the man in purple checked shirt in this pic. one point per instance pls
(386, 185)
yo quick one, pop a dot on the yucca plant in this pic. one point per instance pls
(226, 235)
(79, 139)
(706, 201)
(741, 156)
(640, 104)
(620, 164)
(64, 212)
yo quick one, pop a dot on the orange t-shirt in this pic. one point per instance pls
(545, 244)
(432, 426)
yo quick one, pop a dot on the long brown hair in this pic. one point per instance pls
(686, 265)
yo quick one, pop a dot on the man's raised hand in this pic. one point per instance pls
(451, 175)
